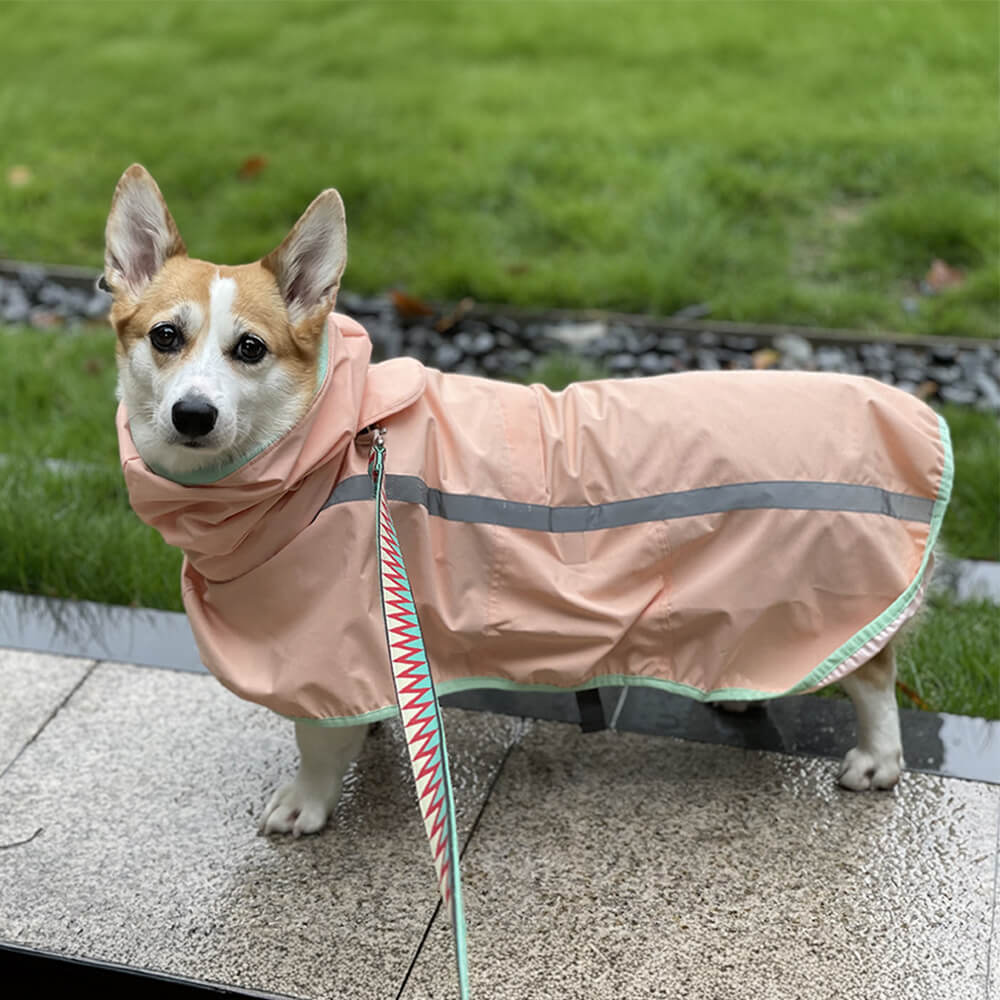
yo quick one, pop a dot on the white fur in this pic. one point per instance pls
(221, 295)
(305, 804)
(877, 760)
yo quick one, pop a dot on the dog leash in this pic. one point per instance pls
(418, 708)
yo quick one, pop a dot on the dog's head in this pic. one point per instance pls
(215, 361)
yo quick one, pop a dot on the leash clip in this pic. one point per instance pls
(371, 439)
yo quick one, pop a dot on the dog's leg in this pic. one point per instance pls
(305, 804)
(878, 758)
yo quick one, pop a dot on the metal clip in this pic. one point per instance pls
(370, 437)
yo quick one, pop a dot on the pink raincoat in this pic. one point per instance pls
(731, 535)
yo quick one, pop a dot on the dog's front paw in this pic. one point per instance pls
(299, 808)
(863, 770)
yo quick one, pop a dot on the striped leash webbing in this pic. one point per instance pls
(418, 708)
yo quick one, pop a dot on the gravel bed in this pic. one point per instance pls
(503, 344)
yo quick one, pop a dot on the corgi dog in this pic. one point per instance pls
(218, 361)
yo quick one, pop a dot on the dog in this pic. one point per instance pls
(590, 527)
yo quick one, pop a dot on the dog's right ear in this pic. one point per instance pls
(141, 234)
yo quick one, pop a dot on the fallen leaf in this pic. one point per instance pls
(913, 696)
(93, 366)
(460, 311)
(518, 268)
(409, 306)
(251, 167)
(19, 176)
(926, 389)
(46, 320)
(766, 357)
(941, 277)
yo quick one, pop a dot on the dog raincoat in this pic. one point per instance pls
(734, 535)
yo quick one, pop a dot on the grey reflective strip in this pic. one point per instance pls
(664, 506)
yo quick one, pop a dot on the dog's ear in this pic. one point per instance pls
(310, 261)
(141, 234)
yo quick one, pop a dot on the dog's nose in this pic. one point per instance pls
(193, 416)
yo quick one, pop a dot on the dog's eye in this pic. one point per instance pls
(166, 338)
(249, 349)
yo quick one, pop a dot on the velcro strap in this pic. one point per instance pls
(591, 710)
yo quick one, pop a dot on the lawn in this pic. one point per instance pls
(793, 162)
(67, 530)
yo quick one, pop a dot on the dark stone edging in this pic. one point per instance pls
(507, 342)
(937, 743)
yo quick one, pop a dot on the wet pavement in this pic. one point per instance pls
(609, 864)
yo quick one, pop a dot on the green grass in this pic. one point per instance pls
(71, 533)
(951, 658)
(972, 525)
(795, 162)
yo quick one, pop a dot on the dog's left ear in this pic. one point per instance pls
(141, 233)
(310, 261)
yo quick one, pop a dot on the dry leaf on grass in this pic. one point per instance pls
(19, 176)
(941, 277)
(251, 167)
(766, 357)
(913, 696)
(445, 323)
(409, 306)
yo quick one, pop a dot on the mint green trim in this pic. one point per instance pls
(214, 473)
(814, 679)
(457, 906)
(366, 718)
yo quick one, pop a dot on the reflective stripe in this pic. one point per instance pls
(847, 497)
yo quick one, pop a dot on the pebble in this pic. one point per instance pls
(16, 305)
(621, 364)
(698, 310)
(447, 356)
(506, 324)
(475, 344)
(673, 344)
(963, 395)
(506, 346)
(652, 363)
(943, 375)
(795, 350)
(706, 360)
(31, 279)
(989, 391)
(576, 334)
(944, 353)
(830, 359)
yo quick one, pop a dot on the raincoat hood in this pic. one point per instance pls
(229, 520)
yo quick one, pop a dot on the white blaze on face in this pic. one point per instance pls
(222, 294)
(206, 372)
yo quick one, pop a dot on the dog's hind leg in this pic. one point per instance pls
(877, 760)
(305, 804)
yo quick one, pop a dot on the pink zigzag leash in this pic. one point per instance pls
(419, 709)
